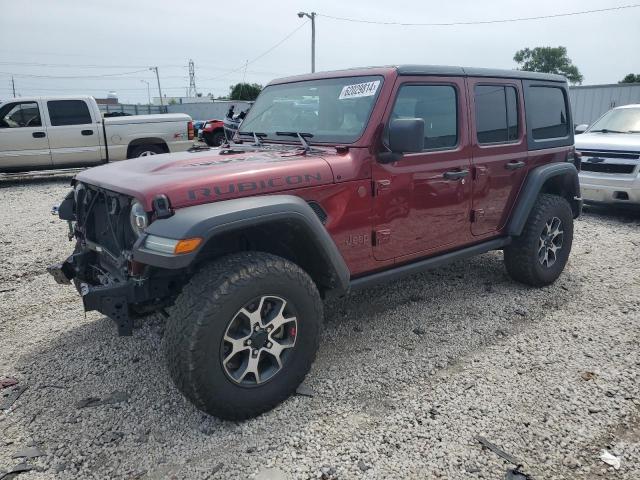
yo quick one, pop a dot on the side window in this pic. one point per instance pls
(68, 112)
(496, 113)
(437, 105)
(547, 113)
(17, 115)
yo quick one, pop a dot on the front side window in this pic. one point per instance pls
(68, 112)
(437, 105)
(332, 110)
(547, 113)
(18, 115)
(496, 113)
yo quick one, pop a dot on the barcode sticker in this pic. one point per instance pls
(366, 89)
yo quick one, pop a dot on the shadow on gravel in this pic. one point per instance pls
(629, 214)
(34, 180)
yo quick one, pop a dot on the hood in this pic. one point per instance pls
(191, 178)
(624, 142)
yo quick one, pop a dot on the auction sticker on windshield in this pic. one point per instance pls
(366, 89)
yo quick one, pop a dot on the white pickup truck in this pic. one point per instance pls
(66, 132)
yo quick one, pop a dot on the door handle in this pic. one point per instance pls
(87, 132)
(514, 165)
(455, 174)
(39, 134)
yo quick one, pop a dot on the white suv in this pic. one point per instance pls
(610, 151)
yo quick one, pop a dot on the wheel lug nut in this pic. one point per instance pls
(248, 342)
(269, 344)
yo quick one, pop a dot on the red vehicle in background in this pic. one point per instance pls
(212, 133)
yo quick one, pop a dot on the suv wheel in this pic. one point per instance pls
(538, 256)
(243, 334)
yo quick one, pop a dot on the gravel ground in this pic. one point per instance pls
(407, 376)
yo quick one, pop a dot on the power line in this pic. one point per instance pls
(266, 52)
(105, 66)
(479, 22)
(30, 75)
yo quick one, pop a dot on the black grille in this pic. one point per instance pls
(322, 215)
(607, 167)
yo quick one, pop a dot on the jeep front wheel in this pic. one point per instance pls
(243, 334)
(538, 256)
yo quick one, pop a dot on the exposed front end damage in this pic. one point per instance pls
(102, 267)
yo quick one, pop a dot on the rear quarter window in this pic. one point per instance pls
(547, 113)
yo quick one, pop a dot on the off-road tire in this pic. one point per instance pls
(521, 257)
(141, 150)
(198, 321)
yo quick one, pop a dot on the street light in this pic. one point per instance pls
(312, 17)
(148, 91)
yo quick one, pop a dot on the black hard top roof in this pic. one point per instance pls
(476, 72)
(433, 70)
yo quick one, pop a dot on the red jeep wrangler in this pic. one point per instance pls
(337, 181)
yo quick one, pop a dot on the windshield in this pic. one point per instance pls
(624, 120)
(333, 110)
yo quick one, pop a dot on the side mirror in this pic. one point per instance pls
(581, 128)
(406, 135)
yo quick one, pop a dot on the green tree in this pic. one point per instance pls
(244, 91)
(631, 78)
(548, 60)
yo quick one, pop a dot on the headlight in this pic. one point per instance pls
(138, 218)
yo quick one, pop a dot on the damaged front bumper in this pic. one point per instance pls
(115, 298)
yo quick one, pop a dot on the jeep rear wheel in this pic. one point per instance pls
(243, 334)
(538, 256)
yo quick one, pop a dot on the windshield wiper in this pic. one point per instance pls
(257, 137)
(300, 135)
(606, 130)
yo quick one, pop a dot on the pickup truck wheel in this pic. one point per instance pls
(146, 150)
(538, 256)
(243, 334)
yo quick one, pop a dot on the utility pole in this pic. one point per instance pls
(13, 85)
(155, 69)
(148, 91)
(312, 17)
(193, 91)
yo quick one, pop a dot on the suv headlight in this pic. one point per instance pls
(138, 218)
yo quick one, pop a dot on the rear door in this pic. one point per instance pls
(74, 136)
(23, 138)
(499, 150)
(422, 201)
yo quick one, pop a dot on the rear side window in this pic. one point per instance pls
(437, 105)
(547, 113)
(496, 113)
(68, 112)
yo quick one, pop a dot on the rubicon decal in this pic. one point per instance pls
(254, 186)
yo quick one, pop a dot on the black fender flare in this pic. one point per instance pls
(533, 186)
(208, 220)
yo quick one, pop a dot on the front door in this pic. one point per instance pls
(73, 135)
(23, 138)
(422, 201)
(499, 150)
